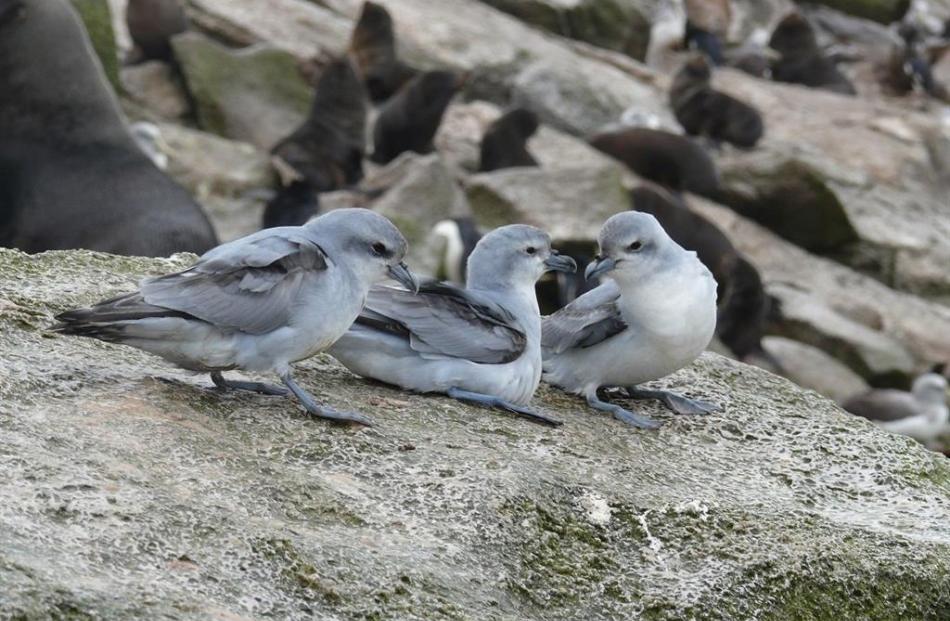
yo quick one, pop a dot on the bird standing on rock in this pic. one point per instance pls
(480, 344)
(259, 303)
(654, 315)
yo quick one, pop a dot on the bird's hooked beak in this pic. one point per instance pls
(560, 263)
(600, 265)
(401, 274)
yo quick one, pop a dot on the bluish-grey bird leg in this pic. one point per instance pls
(621, 414)
(497, 402)
(677, 403)
(322, 411)
(258, 387)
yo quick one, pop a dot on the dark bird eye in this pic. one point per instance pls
(531, 249)
(379, 249)
(635, 246)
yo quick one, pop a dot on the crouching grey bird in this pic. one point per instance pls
(654, 314)
(259, 303)
(481, 344)
(921, 413)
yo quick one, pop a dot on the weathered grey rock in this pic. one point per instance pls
(570, 203)
(880, 333)
(255, 95)
(812, 368)
(133, 490)
(417, 192)
(883, 11)
(621, 25)
(97, 17)
(232, 180)
(302, 28)
(154, 86)
(867, 188)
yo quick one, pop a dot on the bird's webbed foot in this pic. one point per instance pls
(498, 402)
(678, 404)
(262, 388)
(322, 411)
(626, 416)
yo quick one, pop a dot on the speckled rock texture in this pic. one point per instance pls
(133, 490)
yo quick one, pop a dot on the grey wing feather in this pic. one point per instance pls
(249, 284)
(590, 319)
(442, 320)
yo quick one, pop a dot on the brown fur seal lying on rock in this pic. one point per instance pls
(801, 60)
(703, 111)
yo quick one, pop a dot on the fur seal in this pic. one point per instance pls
(671, 160)
(373, 45)
(744, 306)
(327, 149)
(72, 175)
(505, 140)
(801, 60)
(152, 24)
(703, 111)
(293, 205)
(409, 120)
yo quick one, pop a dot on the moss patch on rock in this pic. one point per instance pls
(97, 18)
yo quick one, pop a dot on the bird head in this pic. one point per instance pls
(371, 245)
(632, 245)
(516, 255)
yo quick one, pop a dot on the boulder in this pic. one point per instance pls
(416, 192)
(304, 29)
(255, 95)
(232, 180)
(134, 490)
(883, 11)
(153, 85)
(812, 368)
(619, 25)
(884, 335)
(855, 180)
(570, 203)
(97, 17)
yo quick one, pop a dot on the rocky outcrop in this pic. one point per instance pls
(131, 489)
(882, 334)
(621, 25)
(883, 11)
(97, 17)
(255, 95)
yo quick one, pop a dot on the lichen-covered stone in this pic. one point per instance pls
(620, 25)
(133, 490)
(97, 17)
(255, 95)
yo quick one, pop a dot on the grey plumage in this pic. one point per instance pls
(921, 414)
(478, 344)
(259, 303)
(655, 314)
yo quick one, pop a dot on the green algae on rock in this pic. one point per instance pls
(97, 18)
(133, 490)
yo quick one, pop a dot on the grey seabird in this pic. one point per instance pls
(921, 413)
(259, 303)
(655, 314)
(480, 344)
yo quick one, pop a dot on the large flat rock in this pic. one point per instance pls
(132, 490)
